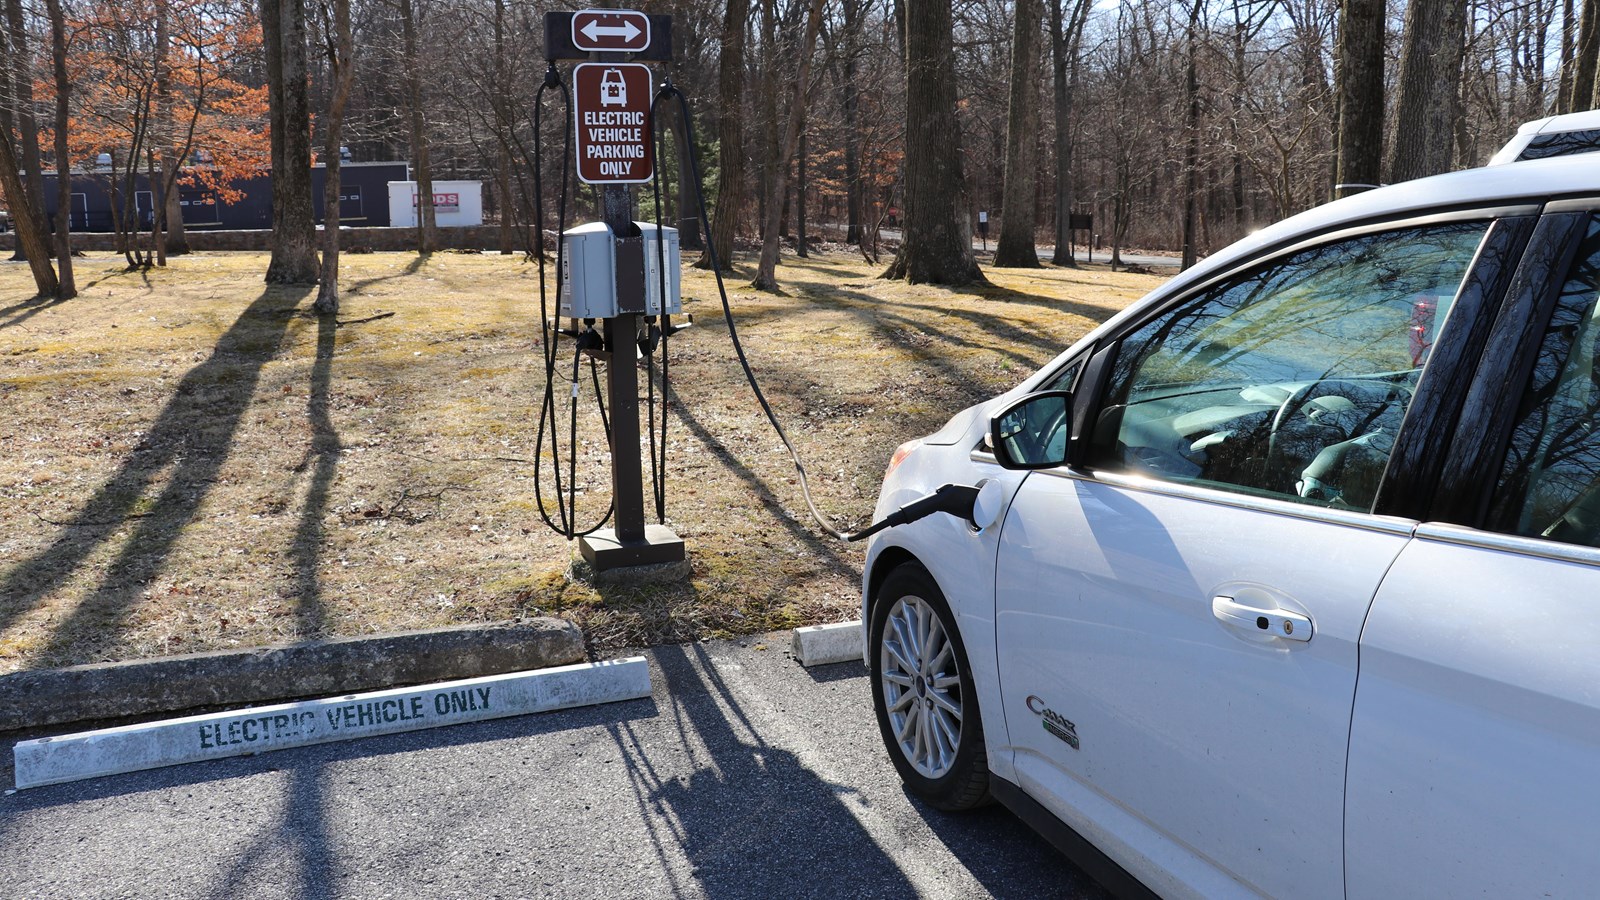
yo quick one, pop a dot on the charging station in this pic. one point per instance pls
(619, 272)
(625, 275)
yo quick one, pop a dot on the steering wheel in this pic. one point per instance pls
(1367, 398)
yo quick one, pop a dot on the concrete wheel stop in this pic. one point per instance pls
(38, 699)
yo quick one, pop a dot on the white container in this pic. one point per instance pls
(455, 203)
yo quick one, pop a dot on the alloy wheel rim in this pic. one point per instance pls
(921, 686)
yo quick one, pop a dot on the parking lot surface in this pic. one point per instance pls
(744, 775)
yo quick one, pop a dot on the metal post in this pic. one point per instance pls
(622, 381)
(631, 542)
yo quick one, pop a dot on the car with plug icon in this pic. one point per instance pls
(1285, 580)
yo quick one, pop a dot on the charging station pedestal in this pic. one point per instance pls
(614, 273)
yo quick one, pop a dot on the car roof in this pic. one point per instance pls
(1530, 182)
(1552, 136)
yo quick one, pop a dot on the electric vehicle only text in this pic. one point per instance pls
(1284, 581)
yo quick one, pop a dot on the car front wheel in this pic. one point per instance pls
(923, 694)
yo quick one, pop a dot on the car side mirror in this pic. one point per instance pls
(1032, 432)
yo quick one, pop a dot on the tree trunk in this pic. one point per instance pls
(294, 224)
(800, 248)
(1585, 60)
(427, 233)
(770, 141)
(30, 232)
(1429, 87)
(1360, 76)
(177, 238)
(855, 208)
(503, 170)
(730, 137)
(1191, 150)
(27, 121)
(767, 273)
(341, 49)
(1065, 31)
(935, 248)
(1019, 204)
(1569, 44)
(689, 226)
(28, 221)
(162, 136)
(66, 283)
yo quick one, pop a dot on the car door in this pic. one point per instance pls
(1178, 612)
(1476, 727)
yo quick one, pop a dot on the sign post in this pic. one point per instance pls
(611, 99)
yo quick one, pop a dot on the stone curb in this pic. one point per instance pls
(820, 645)
(347, 665)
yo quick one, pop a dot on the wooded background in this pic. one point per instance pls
(1179, 124)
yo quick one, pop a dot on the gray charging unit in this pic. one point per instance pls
(590, 278)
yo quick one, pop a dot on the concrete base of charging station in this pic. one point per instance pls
(243, 732)
(820, 645)
(603, 551)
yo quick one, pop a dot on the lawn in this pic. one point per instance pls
(196, 462)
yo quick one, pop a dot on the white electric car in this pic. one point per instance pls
(1285, 580)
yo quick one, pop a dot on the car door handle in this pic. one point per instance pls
(1278, 623)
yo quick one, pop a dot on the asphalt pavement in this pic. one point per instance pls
(743, 775)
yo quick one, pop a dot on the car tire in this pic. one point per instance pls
(923, 694)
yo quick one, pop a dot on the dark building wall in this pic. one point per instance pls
(365, 187)
(354, 240)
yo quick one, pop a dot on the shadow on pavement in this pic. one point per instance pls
(752, 819)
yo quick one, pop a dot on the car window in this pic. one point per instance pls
(1291, 380)
(1562, 143)
(1065, 379)
(1549, 485)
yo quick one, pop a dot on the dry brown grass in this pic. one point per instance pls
(193, 461)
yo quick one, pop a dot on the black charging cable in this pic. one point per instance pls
(566, 518)
(686, 118)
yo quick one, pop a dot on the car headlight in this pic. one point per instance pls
(900, 454)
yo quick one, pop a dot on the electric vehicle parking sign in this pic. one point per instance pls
(611, 102)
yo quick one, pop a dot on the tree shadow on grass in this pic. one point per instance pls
(193, 436)
(322, 458)
(17, 313)
(411, 268)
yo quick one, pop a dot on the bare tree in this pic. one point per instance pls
(936, 248)
(16, 68)
(427, 231)
(27, 121)
(730, 137)
(66, 283)
(339, 44)
(1191, 138)
(1429, 86)
(1066, 32)
(767, 272)
(1019, 206)
(294, 229)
